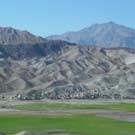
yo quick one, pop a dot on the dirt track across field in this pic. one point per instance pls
(113, 114)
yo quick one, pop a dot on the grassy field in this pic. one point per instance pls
(75, 123)
(85, 124)
(65, 106)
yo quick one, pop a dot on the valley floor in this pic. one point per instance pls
(63, 118)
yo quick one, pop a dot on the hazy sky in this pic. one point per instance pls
(46, 17)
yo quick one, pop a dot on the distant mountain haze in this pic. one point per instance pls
(108, 35)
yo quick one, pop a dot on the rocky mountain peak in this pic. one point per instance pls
(107, 35)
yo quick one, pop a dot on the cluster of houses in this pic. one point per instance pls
(38, 95)
(69, 94)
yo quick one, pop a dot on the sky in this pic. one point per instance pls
(47, 17)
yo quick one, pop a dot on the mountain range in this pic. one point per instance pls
(33, 67)
(71, 71)
(107, 35)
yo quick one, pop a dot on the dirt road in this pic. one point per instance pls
(113, 114)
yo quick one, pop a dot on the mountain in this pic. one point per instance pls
(25, 51)
(36, 68)
(68, 72)
(108, 35)
(13, 36)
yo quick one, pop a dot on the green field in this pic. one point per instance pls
(73, 123)
(85, 124)
(66, 106)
